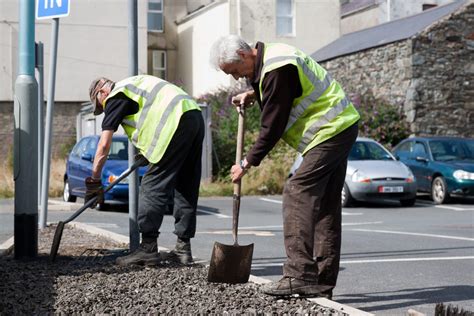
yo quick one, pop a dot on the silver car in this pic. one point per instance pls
(373, 174)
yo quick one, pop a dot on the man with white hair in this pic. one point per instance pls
(304, 106)
(166, 126)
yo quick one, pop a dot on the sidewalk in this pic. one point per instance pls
(90, 282)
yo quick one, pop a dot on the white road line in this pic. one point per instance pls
(213, 213)
(412, 234)
(278, 264)
(102, 225)
(271, 201)
(454, 208)
(280, 202)
(361, 223)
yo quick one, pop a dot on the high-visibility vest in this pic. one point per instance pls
(322, 111)
(160, 107)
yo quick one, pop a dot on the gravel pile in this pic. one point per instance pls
(88, 282)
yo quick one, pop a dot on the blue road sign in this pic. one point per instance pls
(48, 9)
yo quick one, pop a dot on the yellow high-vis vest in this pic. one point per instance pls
(322, 111)
(160, 107)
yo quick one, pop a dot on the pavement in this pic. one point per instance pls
(7, 247)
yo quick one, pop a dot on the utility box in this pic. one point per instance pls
(89, 124)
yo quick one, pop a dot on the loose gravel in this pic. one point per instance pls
(88, 282)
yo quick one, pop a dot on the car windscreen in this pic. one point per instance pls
(448, 150)
(368, 151)
(118, 150)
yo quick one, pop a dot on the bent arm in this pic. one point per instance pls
(103, 148)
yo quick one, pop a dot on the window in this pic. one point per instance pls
(427, 6)
(155, 15)
(285, 18)
(159, 64)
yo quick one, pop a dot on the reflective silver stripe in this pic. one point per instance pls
(150, 98)
(143, 93)
(318, 91)
(163, 120)
(130, 123)
(323, 120)
(319, 87)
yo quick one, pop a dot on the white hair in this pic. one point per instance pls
(224, 50)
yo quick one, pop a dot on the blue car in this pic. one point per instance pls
(443, 166)
(79, 167)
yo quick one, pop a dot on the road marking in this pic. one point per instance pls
(412, 234)
(454, 208)
(280, 202)
(361, 223)
(213, 213)
(271, 201)
(279, 264)
(259, 233)
(102, 225)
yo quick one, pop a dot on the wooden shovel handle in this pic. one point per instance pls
(238, 158)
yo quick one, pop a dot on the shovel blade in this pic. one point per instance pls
(56, 241)
(230, 263)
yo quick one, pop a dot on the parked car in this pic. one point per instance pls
(443, 166)
(373, 174)
(79, 167)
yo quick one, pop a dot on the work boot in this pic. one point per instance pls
(181, 252)
(289, 286)
(145, 254)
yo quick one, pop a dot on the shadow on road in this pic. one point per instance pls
(378, 301)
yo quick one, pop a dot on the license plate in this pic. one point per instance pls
(383, 189)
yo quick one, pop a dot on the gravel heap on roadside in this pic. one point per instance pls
(90, 283)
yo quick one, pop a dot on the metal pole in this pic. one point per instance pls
(40, 67)
(25, 139)
(49, 124)
(133, 178)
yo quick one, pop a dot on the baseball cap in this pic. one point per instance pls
(94, 88)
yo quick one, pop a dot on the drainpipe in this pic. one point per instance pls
(389, 8)
(239, 22)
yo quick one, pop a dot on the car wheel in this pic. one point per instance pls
(409, 202)
(439, 191)
(67, 196)
(346, 198)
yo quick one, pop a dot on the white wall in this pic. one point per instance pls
(316, 23)
(196, 35)
(93, 41)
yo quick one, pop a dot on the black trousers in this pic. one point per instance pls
(312, 212)
(174, 181)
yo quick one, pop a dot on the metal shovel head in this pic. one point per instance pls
(56, 241)
(230, 263)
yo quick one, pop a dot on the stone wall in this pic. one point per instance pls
(442, 88)
(383, 72)
(429, 76)
(64, 127)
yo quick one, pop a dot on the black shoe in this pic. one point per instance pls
(181, 253)
(145, 254)
(289, 286)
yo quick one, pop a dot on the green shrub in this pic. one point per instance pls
(381, 121)
(224, 128)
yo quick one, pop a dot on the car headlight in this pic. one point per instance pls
(112, 178)
(359, 176)
(463, 175)
(410, 178)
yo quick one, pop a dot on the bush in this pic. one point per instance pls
(224, 128)
(381, 121)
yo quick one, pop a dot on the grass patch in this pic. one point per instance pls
(7, 185)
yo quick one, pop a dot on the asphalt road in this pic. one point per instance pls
(393, 258)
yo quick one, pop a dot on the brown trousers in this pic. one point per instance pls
(312, 212)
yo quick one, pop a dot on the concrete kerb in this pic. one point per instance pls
(7, 247)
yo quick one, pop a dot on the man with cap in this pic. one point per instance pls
(167, 128)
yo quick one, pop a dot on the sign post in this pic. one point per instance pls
(49, 9)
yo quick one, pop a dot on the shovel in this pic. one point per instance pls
(59, 229)
(231, 263)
